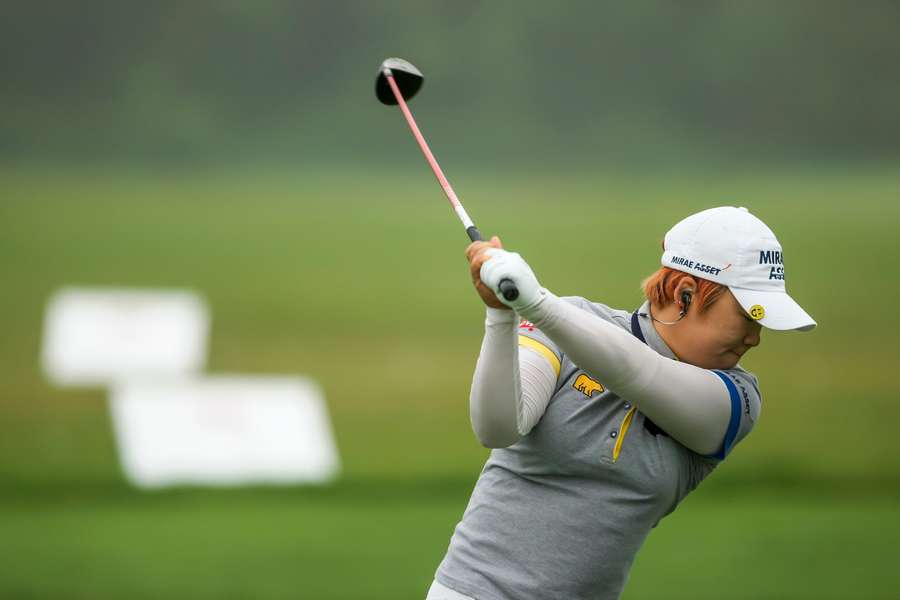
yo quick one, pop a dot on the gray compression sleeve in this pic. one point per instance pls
(511, 386)
(690, 403)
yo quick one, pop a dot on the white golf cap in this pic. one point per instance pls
(730, 246)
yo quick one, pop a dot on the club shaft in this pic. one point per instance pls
(507, 287)
(432, 162)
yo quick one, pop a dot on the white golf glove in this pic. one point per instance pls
(509, 265)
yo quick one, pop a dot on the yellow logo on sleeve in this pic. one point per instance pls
(587, 386)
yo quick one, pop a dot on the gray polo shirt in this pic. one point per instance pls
(562, 512)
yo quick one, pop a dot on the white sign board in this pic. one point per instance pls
(224, 430)
(98, 336)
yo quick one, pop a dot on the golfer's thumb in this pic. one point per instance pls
(495, 242)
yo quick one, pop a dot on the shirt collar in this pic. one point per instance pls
(650, 334)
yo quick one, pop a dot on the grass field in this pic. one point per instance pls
(358, 280)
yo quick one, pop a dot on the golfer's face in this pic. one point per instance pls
(724, 333)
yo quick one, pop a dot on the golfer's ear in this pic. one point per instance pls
(686, 285)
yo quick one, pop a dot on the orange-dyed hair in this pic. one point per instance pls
(660, 288)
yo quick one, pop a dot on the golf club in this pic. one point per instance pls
(398, 81)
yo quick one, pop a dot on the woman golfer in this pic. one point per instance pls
(603, 420)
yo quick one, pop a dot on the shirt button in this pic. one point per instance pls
(613, 434)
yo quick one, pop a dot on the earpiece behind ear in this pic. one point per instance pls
(685, 302)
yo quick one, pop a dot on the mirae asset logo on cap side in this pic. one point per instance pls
(697, 266)
(773, 257)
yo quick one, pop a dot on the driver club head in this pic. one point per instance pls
(408, 78)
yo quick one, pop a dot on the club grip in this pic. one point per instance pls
(509, 289)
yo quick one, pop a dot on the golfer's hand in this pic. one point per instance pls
(476, 254)
(502, 265)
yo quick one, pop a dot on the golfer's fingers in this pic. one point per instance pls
(478, 258)
(474, 248)
(477, 247)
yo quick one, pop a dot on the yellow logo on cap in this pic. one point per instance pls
(757, 312)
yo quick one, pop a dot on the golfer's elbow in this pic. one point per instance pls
(497, 441)
(492, 434)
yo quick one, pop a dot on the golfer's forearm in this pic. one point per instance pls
(690, 403)
(494, 399)
(510, 389)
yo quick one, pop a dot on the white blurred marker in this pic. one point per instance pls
(95, 336)
(224, 431)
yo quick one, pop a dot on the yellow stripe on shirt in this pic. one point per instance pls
(542, 350)
(622, 430)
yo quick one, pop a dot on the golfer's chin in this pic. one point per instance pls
(730, 359)
(726, 360)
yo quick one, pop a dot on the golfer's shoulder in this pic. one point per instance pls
(745, 386)
(744, 376)
(607, 313)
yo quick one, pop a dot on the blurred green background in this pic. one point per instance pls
(236, 149)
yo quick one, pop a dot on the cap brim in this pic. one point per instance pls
(781, 312)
